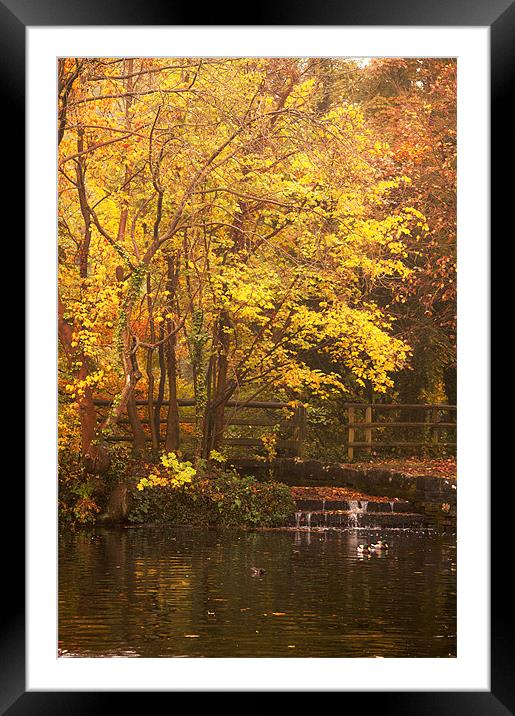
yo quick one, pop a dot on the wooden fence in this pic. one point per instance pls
(362, 420)
(431, 421)
(295, 426)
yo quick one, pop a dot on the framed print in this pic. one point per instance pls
(262, 218)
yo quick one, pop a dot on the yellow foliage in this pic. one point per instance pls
(275, 219)
(178, 474)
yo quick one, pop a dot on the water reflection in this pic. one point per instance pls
(192, 592)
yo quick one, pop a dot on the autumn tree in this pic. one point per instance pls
(413, 103)
(222, 222)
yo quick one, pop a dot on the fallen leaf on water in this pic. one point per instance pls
(279, 614)
(192, 636)
(291, 646)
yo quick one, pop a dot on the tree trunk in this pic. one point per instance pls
(150, 372)
(127, 345)
(95, 455)
(138, 443)
(150, 403)
(172, 441)
(172, 437)
(219, 390)
(221, 381)
(161, 386)
(197, 342)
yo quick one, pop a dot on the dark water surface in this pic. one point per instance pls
(163, 592)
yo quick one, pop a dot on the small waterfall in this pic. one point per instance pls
(391, 506)
(298, 515)
(308, 519)
(353, 517)
(356, 509)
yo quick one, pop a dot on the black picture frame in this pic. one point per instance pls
(499, 16)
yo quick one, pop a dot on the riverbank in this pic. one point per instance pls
(248, 492)
(344, 495)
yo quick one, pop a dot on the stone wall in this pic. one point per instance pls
(431, 495)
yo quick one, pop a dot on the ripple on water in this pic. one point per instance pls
(191, 593)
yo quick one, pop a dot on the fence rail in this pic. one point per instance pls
(432, 422)
(362, 424)
(295, 426)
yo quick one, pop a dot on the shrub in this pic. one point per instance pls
(212, 497)
(82, 497)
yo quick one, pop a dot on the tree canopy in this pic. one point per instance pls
(251, 227)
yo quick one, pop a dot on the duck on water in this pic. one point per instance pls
(257, 571)
(378, 546)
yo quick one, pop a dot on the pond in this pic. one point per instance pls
(186, 592)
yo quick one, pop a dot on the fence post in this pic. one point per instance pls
(434, 437)
(299, 429)
(368, 431)
(351, 434)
